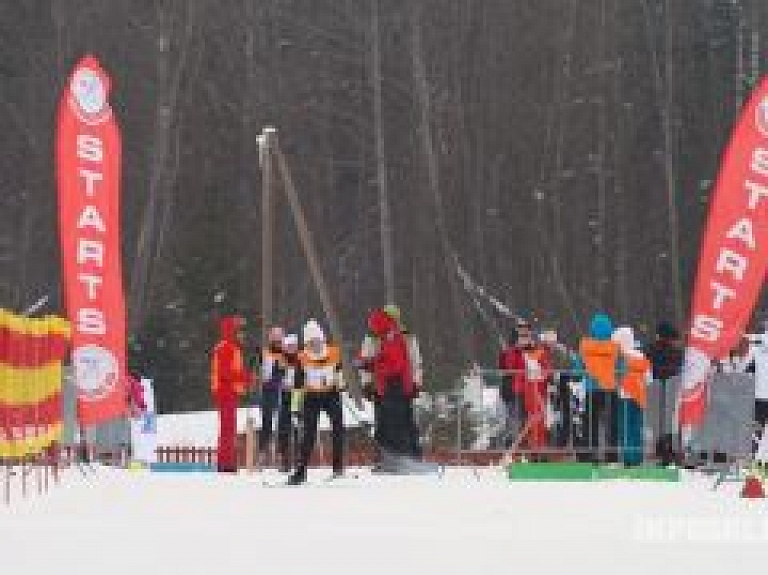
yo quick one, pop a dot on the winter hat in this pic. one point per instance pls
(394, 312)
(381, 323)
(312, 330)
(291, 341)
(625, 337)
(601, 327)
(276, 334)
(666, 330)
(229, 325)
(548, 336)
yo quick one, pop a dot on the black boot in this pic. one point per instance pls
(299, 476)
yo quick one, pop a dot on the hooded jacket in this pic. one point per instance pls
(637, 368)
(599, 356)
(666, 353)
(229, 378)
(391, 362)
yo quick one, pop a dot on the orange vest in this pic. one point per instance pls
(633, 383)
(600, 358)
(320, 373)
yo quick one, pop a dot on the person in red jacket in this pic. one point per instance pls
(393, 383)
(229, 381)
(538, 372)
(512, 367)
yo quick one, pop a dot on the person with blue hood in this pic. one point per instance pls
(598, 362)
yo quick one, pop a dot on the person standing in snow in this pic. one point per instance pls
(633, 398)
(417, 372)
(229, 380)
(393, 380)
(538, 370)
(414, 349)
(271, 368)
(323, 382)
(561, 364)
(759, 366)
(512, 366)
(144, 425)
(598, 361)
(370, 347)
(291, 385)
(666, 357)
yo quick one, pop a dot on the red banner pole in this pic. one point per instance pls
(88, 160)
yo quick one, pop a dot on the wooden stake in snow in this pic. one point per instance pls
(250, 431)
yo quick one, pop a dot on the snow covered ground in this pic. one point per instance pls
(116, 521)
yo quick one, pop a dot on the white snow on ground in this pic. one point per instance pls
(118, 521)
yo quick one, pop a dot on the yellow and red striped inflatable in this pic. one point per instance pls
(31, 354)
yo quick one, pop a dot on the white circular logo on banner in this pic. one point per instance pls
(89, 92)
(96, 371)
(761, 117)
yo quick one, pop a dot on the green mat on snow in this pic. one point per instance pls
(575, 471)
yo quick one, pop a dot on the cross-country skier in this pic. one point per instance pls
(229, 380)
(323, 382)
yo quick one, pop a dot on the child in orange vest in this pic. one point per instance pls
(633, 396)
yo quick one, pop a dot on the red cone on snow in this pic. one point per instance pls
(753, 488)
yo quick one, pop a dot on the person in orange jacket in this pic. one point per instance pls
(229, 381)
(598, 362)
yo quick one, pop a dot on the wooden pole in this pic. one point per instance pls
(381, 161)
(307, 243)
(267, 232)
(249, 447)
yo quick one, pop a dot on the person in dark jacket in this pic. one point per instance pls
(272, 367)
(666, 353)
(666, 357)
(287, 434)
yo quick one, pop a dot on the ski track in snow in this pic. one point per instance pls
(115, 521)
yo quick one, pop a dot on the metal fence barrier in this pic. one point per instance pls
(473, 421)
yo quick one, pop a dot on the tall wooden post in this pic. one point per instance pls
(267, 231)
(308, 246)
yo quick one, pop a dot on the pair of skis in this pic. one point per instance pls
(326, 482)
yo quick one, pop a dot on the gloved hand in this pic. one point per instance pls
(369, 392)
(362, 363)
